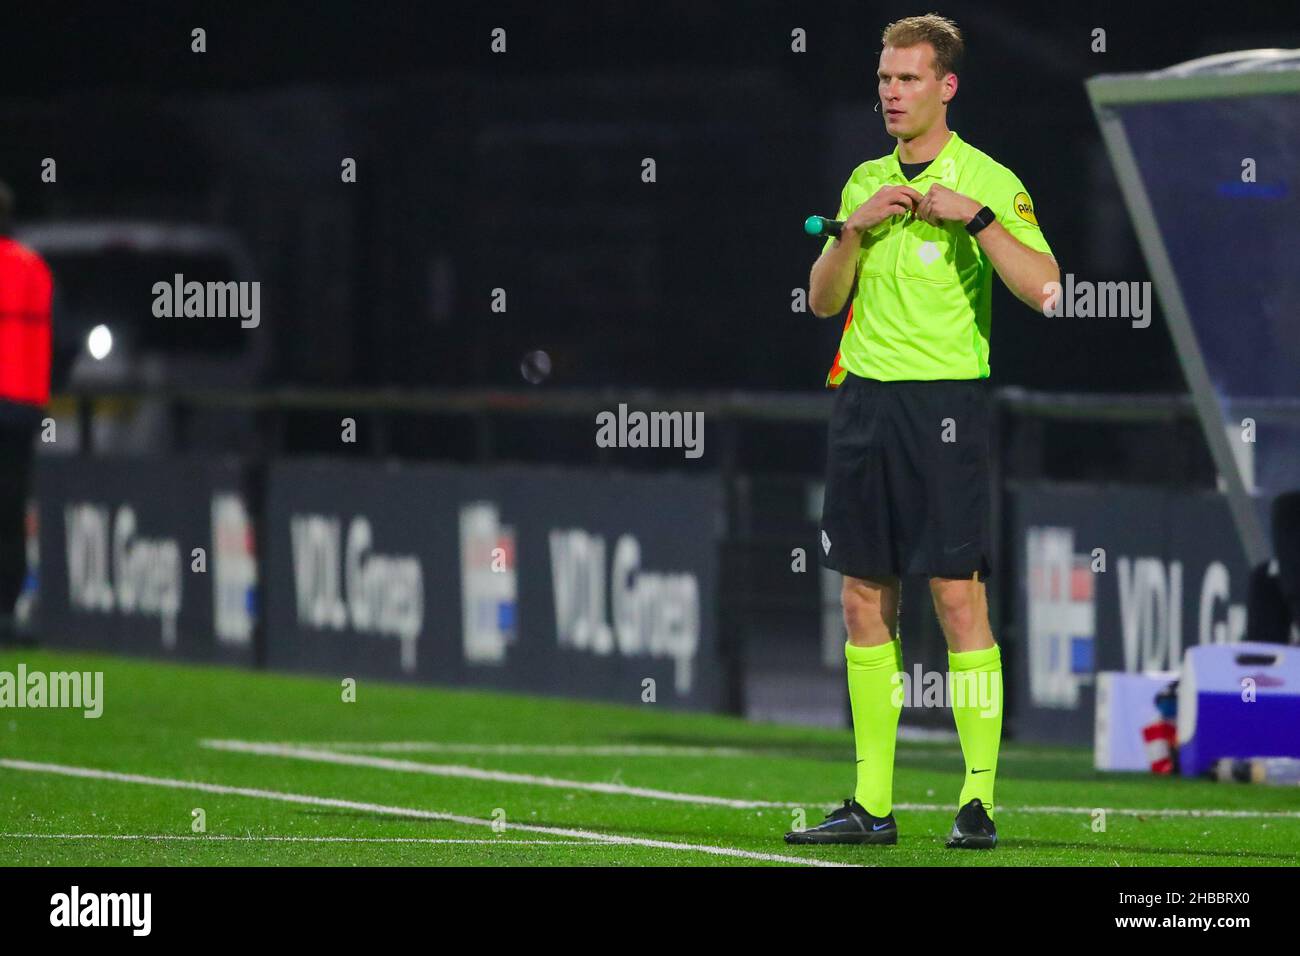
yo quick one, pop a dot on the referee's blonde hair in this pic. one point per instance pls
(940, 32)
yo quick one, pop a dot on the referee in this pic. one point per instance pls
(907, 476)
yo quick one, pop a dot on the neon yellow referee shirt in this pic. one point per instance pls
(921, 310)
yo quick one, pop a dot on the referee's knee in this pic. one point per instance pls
(870, 610)
(958, 605)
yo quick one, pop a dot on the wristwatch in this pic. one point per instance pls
(980, 220)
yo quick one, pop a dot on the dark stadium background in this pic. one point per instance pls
(479, 170)
(503, 590)
(522, 171)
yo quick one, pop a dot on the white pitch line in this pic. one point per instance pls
(1121, 811)
(618, 750)
(540, 750)
(476, 773)
(95, 774)
(911, 753)
(220, 838)
(499, 776)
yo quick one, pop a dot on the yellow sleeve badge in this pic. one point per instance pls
(1024, 208)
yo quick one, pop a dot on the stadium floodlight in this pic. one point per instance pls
(99, 342)
(1206, 154)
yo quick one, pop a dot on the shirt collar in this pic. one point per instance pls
(949, 150)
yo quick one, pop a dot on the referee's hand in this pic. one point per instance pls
(888, 201)
(942, 204)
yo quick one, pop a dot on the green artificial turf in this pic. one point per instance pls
(156, 714)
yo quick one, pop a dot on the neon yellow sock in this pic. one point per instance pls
(877, 700)
(976, 686)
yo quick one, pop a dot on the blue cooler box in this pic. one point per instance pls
(1215, 721)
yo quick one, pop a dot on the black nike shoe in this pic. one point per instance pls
(973, 830)
(850, 823)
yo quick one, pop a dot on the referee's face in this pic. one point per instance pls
(911, 96)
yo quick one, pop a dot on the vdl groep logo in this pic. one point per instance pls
(650, 613)
(355, 585)
(112, 567)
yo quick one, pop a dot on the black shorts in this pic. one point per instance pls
(907, 479)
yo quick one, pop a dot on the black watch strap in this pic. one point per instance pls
(980, 220)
